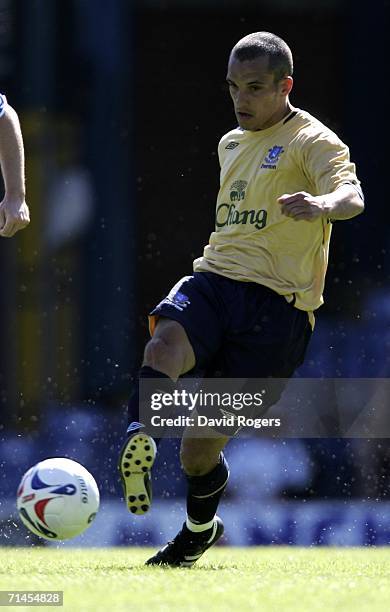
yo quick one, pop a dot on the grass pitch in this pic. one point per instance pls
(267, 579)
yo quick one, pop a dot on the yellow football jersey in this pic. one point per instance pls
(253, 241)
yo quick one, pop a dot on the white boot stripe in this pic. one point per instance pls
(213, 533)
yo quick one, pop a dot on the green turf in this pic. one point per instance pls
(275, 579)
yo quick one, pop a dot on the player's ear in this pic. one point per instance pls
(286, 85)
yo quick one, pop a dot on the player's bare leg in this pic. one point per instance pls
(167, 355)
(201, 449)
(169, 350)
(207, 474)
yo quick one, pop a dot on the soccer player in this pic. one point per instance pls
(14, 213)
(247, 310)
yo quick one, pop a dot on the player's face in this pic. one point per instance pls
(259, 101)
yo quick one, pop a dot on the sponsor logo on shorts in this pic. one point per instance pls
(178, 300)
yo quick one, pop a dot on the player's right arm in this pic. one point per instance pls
(14, 213)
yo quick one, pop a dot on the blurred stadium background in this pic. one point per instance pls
(122, 104)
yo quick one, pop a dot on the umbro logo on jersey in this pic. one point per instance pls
(272, 157)
(232, 145)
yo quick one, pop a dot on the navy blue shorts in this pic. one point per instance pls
(237, 329)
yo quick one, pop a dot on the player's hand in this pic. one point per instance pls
(302, 206)
(14, 216)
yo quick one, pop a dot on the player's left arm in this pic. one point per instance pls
(14, 213)
(335, 191)
(343, 203)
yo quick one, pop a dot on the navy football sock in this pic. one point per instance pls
(135, 401)
(204, 493)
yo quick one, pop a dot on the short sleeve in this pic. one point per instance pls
(221, 151)
(3, 103)
(327, 164)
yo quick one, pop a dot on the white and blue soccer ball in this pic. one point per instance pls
(57, 499)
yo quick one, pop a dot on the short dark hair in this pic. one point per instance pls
(267, 44)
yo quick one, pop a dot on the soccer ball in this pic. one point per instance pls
(57, 499)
